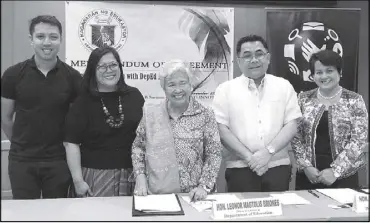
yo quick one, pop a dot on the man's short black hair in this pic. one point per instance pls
(250, 38)
(52, 20)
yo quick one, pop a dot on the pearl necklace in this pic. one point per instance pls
(112, 122)
(331, 97)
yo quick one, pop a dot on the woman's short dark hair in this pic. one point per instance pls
(89, 83)
(327, 58)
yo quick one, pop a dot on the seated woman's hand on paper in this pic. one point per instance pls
(141, 187)
(197, 194)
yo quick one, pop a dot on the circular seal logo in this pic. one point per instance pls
(306, 39)
(102, 27)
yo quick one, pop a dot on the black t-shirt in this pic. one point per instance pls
(103, 147)
(41, 104)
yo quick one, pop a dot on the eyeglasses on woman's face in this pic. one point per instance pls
(102, 68)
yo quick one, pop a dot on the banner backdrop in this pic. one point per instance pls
(147, 36)
(294, 34)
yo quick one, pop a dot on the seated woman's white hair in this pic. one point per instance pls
(173, 66)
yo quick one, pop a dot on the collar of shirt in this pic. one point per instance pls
(252, 85)
(32, 63)
(194, 108)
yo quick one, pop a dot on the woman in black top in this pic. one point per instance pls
(324, 158)
(329, 145)
(100, 128)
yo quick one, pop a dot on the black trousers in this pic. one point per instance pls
(245, 180)
(29, 180)
(302, 182)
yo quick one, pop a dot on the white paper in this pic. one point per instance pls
(366, 190)
(157, 203)
(290, 198)
(207, 203)
(342, 195)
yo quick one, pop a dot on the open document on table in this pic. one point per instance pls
(156, 204)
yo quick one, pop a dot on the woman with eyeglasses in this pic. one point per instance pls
(100, 129)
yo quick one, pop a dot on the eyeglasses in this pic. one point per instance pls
(103, 68)
(259, 55)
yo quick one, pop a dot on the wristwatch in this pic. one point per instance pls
(271, 149)
(336, 174)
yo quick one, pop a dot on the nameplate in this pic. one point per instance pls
(247, 208)
(361, 203)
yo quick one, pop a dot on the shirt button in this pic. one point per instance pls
(259, 121)
(261, 137)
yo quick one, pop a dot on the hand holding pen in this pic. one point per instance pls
(197, 194)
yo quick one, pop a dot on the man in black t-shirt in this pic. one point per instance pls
(38, 91)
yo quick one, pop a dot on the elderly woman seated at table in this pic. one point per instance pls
(177, 147)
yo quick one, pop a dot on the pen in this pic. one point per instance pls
(209, 199)
(346, 205)
(192, 198)
(313, 193)
(361, 191)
